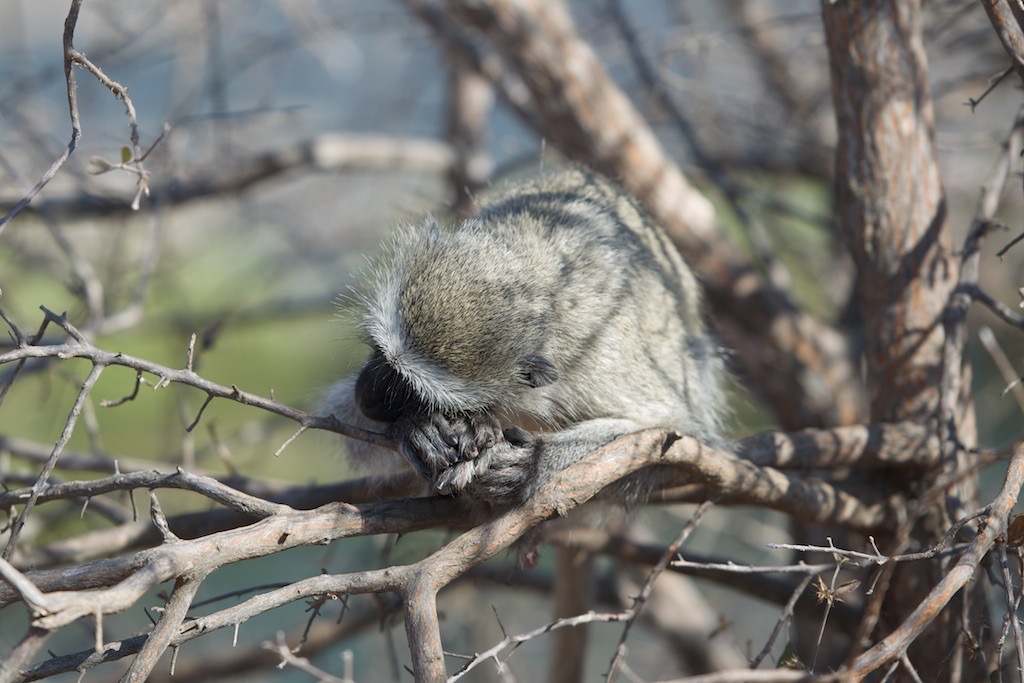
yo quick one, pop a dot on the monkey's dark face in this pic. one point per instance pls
(381, 393)
(444, 449)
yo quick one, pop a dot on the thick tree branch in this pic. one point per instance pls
(330, 153)
(1007, 26)
(892, 208)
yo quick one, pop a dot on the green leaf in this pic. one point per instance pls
(98, 165)
(126, 154)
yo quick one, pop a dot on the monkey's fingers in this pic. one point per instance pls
(486, 432)
(468, 435)
(459, 476)
(426, 448)
(445, 431)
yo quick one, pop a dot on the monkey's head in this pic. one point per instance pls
(458, 322)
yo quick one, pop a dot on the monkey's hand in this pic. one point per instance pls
(503, 473)
(445, 450)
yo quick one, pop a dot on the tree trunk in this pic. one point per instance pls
(892, 212)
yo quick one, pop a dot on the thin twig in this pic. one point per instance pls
(58, 448)
(22, 342)
(76, 126)
(830, 596)
(129, 397)
(992, 85)
(166, 375)
(889, 648)
(784, 618)
(645, 592)
(281, 649)
(1012, 599)
(1003, 364)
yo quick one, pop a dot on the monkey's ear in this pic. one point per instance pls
(537, 371)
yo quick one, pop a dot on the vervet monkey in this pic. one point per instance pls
(511, 345)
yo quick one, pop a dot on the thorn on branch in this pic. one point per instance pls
(15, 333)
(1012, 243)
(21, 364)
(62, 321)
(160, 520)
(497, 618)
(159, 138)
(344, 608)
(1013, 385)
(993, 83)
(190, 354)
(98, 616)
(290, 439)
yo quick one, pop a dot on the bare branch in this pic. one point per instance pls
(325, 153)
(58, 448)
(76, 127)
(904, 444)
(645, 592)
(27, 591)
(102, 359)
(281, 649)
(1011, 603)
(170, 624)
(1007, 27)
(956, 578)
(151, 479)
(785, 617)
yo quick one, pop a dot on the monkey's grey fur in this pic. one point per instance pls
(509, 346)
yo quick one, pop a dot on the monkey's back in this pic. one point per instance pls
(569, 269)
